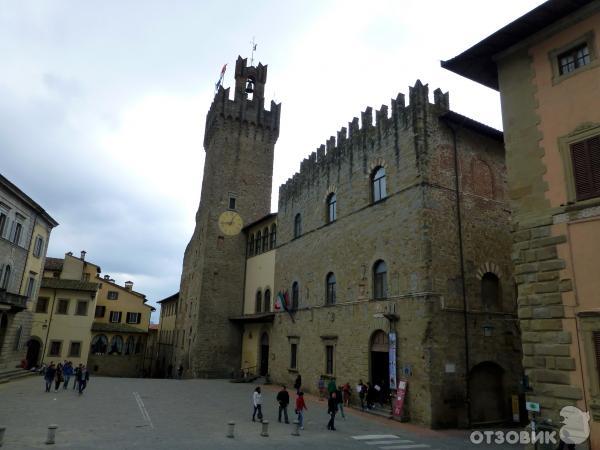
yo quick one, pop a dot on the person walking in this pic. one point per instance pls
(300, 407)
(371, 395)
(332, 406)
(331, 386)
(49, 376)
(84, 377)
(67, 373)
(58, 378)
(76, 379)
(283, 397)
(340, 401)
(257, 401)
(298, 384)
(180, 371)
(362, 393)
(321, 385)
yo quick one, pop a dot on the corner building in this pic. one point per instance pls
(239, 141)
(375, 245)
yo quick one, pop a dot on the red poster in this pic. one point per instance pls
(399, 400)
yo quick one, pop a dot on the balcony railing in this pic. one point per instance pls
(15, 301)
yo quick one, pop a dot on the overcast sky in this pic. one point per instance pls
(102, 104)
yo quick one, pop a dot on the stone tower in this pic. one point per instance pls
(239, 141)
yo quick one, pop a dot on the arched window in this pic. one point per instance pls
(490, 291)
(258, 243)
(378, 184)
(251, 245)
(380, 280)
(99, 344)
(258, 301)
(273, 236)
(297, 225)
(116, 345)
(6, 278)
(295, 295)
(330, 294)
(331, 208)
(267, 301)
(265, 242)
(129, 346)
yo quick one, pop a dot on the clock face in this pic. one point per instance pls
(230, 223)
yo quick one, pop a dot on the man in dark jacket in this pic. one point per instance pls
(332, 406)
(83, 377)
(49, 376)
(283, 397)
(298, 384)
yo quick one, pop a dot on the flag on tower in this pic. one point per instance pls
(220, 82)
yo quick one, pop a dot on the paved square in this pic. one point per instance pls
(128, 413)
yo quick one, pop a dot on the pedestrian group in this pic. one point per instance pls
(62, 373)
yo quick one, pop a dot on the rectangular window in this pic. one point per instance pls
(231, 202)
(55, 348)
(329, 359)
(75, 349)
(30, 287)
(115, 316)
(86, 277)
(38, 247)
(112, 295)
(100, 311)
(3, 220)
(574, 59)
(293, 356)
(585, 156)
(63, 306)
(42, 305)
(18, 232)
(82, 308)
(133, 317)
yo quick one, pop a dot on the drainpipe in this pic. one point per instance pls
(48, 330)
(462, 266)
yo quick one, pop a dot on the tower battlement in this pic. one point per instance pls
(359, 138)
(244, 107)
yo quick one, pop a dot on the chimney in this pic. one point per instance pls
(70, 253)
(129, 285)
(107, 277)
(83, 252)
(112, 280)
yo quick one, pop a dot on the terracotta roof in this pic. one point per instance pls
(116, 328)
(54, 264)
(169, 299)
(478, 64)
(73, 285)
(153, 326)
(256, 222)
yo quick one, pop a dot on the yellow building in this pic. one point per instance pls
(63, 311)
(119, 330)
(259, 296)
(167, 337)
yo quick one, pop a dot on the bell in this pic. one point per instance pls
(249, 86)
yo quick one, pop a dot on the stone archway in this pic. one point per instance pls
(264, 354)
(488, 403)
(34, 347)
(379, 358)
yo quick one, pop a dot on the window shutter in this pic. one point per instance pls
(596, 336)
(139, 318)
(586, 167)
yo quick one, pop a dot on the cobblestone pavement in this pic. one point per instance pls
(127, 413)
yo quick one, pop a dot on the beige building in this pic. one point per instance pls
(167, 338)
(24, 233)
(119, 330)
(63, 311)
(546, 66)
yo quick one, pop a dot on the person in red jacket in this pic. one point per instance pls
(300, 407)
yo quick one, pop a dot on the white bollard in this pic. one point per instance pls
(2, 430)
(296, 430)
(230, 426)
(51, 434)
(265, 428)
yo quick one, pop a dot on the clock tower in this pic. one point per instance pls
(239, 141)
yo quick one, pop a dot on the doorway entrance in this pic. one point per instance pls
(264, 354)
(379, 354)
(487, 394)
(3, 328)
(33, 352)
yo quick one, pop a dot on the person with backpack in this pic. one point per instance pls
(257, 402)
(362, 393)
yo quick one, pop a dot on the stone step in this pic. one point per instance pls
(376, 411)
(14, 374)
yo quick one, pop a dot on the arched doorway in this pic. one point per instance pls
(488, 404)
(379, 354)
(34, 345)
(264, 354)
(3, 328)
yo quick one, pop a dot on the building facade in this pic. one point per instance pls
(24, 233)
(167, 337)
(239, 140)
(546, 66)
(64, 311)
(119, 330)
